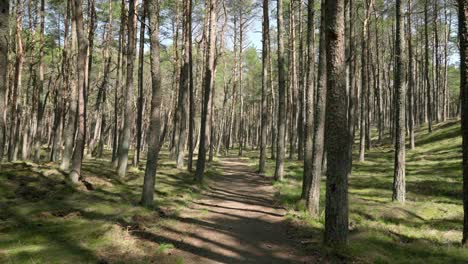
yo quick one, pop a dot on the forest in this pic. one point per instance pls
(234, 131)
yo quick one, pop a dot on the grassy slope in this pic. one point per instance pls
(427, 229)
(45, 220)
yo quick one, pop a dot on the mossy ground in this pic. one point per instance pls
(427, 229)
(44, 219)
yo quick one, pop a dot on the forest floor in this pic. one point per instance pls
(231, 219)
(237, 216)
(427, 229)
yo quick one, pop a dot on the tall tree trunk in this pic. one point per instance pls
(426, 66)
(280, 141)
(81, 67)
(399, 188)
(128, 94)
(72, 109)
(365, 108)
(293, 80)
(191, 95)
(184, 85)
(4, 36)
(60, 104)
(241, 93)
(141, 65)
(16, 108)
(263, 133)
(208, 85)
(118, 83)
(463, 34)
(302, 80)
(104, 86)
(40, 88)
(314, 131)
(411, 83)
(154, 141)
(337, 140)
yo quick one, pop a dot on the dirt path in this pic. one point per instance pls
(235, 222)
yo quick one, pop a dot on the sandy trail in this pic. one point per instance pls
(235, 222)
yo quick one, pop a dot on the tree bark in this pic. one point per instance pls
(40, 88)
(399, 188)
(4, 36)
(463, 35)
(75, 174)
(411, 83)
(141, 66)
(128, 95)
(184, 85)
(16, 107)
(280, 141)
(71, 122)
(208, 85)
(152, 9)
(426, 65)
(263, 133)
(337, 140)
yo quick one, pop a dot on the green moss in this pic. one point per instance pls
(44, 219)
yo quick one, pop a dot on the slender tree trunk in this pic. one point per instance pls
(315, 119)
(184, 86)
(154, 141)
(60, 104)
(263, 133)
(16, 107)
(399, 188)
(411, 83)
(141, 65)
(463, 34)
(302, 90)
(104, 86)
(426, 65)
(4, 36)
(293, 80)
(280, 141)
(191, 96)
(365, 108)
(208, 85)
(40, 88)
(118, 81)
(128, 95)
(81, 67)
(337, 140)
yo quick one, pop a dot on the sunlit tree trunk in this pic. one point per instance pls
(81, 68)
(280, 141)
(128, 94)
(152, 9)
(184, 85)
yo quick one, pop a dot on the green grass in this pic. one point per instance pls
(44, 219)
(427, 229)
